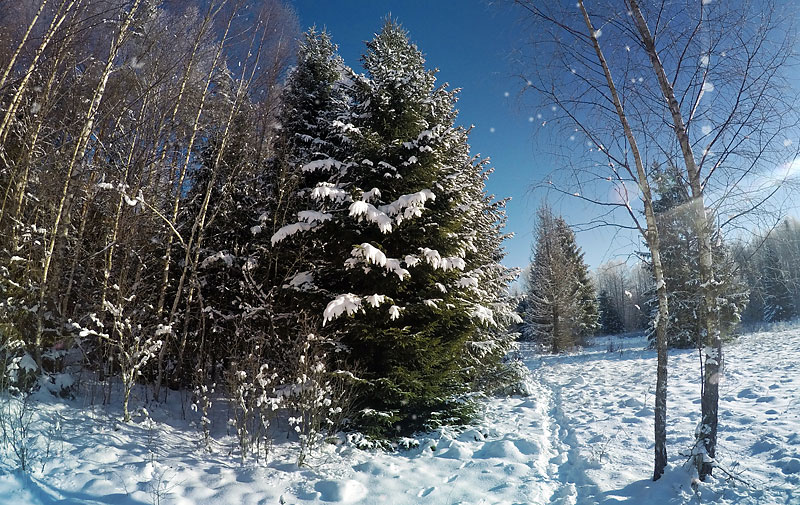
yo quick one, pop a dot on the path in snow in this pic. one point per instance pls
(583, 437)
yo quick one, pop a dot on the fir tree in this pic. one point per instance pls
(610, 321)
(778, 300)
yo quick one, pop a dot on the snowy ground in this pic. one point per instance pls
(583, 437)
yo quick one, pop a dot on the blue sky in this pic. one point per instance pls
(476, 45)
(471, 42)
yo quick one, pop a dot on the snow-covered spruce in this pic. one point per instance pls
(401, 239)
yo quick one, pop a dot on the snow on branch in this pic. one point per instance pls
(365, 210)
(313, 216)
(371, 254)
(326, 164)
(484, 315)
(433, 258)
(408, 206)
(289, 230)
(327, 190)
(347, 303)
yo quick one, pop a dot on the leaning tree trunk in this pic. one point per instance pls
(651, 237)
(21, 44)
(16, 100)
(176, 203)
(707, 432)
(78, 152)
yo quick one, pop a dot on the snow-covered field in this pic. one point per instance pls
(583, 437)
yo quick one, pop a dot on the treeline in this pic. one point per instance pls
(769, 265)
(756, 279)
(183, 209)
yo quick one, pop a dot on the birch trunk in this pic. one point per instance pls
(176, 207)
(27, 34)
(77, 153)
(16, 100)
(707, 432)
(651, 237)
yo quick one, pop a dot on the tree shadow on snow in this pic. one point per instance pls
(673, 488)
(47, 494)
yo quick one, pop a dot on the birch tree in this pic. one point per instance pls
(696, 84)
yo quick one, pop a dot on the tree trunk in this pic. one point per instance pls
(77, 153)
(14, 56)
(176, 207)
(707, 432)
(651, 237)
(16, 100)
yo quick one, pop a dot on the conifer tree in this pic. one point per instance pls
(562, 305)
(610, 321)
(778, 301)
(679, 256)
(405, 244)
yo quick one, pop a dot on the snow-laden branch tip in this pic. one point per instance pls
(347, 303)
(372, 255)
(325, 165)
(329, 191)
(365, 210)
(289, 230)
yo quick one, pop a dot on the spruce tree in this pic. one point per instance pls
(778, 300)
(406, 246)
(561, 302)
(679, 257)
(610, 321)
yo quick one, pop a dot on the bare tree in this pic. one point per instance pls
(696, 84)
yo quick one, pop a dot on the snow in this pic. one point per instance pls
(583, 436)
(313, 216)
(372, 255)
(218, 256)
(325, 165)
(289, 230)
(27, 363)
(343, 304)
(327, 190)
(302, 281)
(408, 206)
(364, 210)
(375, 300)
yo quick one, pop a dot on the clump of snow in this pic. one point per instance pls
(322, 165)
(302, 281)
(343, 304)
(289, 230)
(329, 191)
(365, 210)
(313, 216)
(372, 255)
